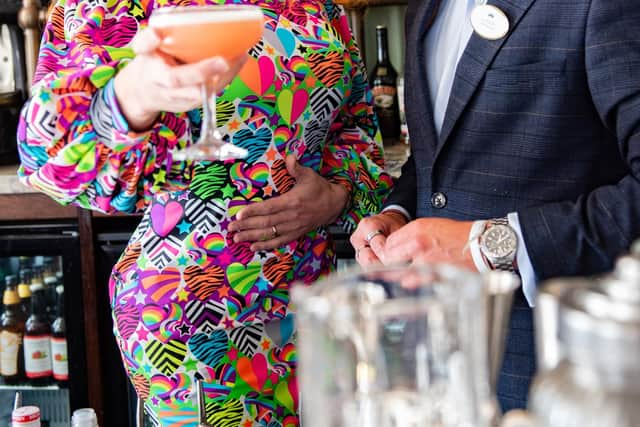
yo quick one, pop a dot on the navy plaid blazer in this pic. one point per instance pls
(544, 122)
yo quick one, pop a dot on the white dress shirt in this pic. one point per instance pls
(446, 42)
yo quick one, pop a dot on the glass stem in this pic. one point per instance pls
(209, 130)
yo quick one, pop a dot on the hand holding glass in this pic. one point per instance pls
(191, 34)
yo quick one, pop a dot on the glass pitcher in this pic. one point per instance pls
(401, 347)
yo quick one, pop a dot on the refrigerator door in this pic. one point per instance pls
(50, 248)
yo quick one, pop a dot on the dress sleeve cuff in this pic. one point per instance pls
(110, 124)
(525, 267)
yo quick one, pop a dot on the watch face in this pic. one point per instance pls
(499, 241)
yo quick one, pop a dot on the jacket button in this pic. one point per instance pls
(438, 200)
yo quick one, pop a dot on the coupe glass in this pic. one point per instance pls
(194, 33)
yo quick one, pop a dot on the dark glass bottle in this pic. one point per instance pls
(11, 335)
(385, 90)
(37, 340)
(24, 291)
(59, 342)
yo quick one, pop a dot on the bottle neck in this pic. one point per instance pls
(60, 306)
(38, 304)
(383, 46)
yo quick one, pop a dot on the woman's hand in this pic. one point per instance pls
(153, 82)
(311, 203)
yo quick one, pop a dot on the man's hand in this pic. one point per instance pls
(311, 203)
(369, 238)
(430, 240)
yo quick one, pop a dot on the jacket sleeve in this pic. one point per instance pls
(585, 236)
(74, 143)
(404, 191)
(353, 155)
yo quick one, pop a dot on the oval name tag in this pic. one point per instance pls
(489, 22)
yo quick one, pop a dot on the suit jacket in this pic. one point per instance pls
(544, 122)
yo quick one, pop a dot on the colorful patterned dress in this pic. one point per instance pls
(187, 301)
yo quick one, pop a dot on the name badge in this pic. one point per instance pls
(489, 22)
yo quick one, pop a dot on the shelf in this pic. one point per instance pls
(23, 387)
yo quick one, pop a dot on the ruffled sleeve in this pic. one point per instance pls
(74, 143)
(353, 155)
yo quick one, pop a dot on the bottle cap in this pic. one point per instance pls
(24, 291)
(10, 297)
(84, 417)
(10, 280)
(25, 414)
(35, 287)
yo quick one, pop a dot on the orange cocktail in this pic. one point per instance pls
(194, 33)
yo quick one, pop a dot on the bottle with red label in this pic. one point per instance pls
(59, 342)
(37, 340)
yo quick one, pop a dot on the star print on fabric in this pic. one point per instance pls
(303, 49)
(142, 334)
(271, 154)
(316, 264)
(268, 191)
(265, 344)
(182, 260)
(225, 259)
(228, 323)
(142, 261)
(232, 354)
(262, 285)
(154, 400)
(160, 176)
(183, 295)
(45, 96)
(262, 255)
(247, 423)
(234, 125)
(184, 227)
(223, 291)
(307, 115)
(227, 191)
(140, 298)
(185, 330)
(183, 196)
(191, 365)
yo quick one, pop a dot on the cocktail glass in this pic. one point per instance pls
(194, 33)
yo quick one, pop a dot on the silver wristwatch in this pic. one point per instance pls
(499, 244)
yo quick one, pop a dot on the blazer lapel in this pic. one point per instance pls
(419, 17)
(473, 64)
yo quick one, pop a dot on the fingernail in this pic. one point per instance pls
(219, 65)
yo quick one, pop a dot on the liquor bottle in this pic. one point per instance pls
(11, 335)
(37, 340)
(50, 283)
(59, 342)
(24, 291)
(385, 92)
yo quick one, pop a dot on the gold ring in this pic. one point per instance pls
(274, 232)
(373, 234)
